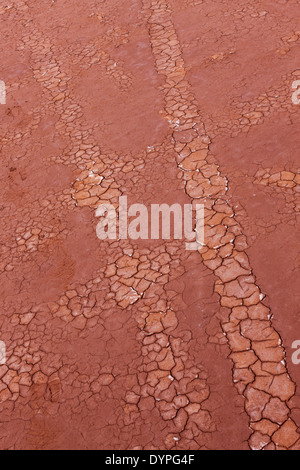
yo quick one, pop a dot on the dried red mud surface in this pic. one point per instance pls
(140, 344)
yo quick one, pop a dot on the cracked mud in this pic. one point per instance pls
(140, 344)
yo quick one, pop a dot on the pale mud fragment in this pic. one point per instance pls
(251, 336)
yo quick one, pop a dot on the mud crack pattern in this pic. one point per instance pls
(134, 344)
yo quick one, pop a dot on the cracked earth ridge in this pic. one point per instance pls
(244, 115)
(279, 182)
(242, 16)
(130, 276)
(82, 301)
(280, 179)
(97, 183)
(240, 21)
(259, 368)
(170, 378)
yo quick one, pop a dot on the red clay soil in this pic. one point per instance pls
(140, 344)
